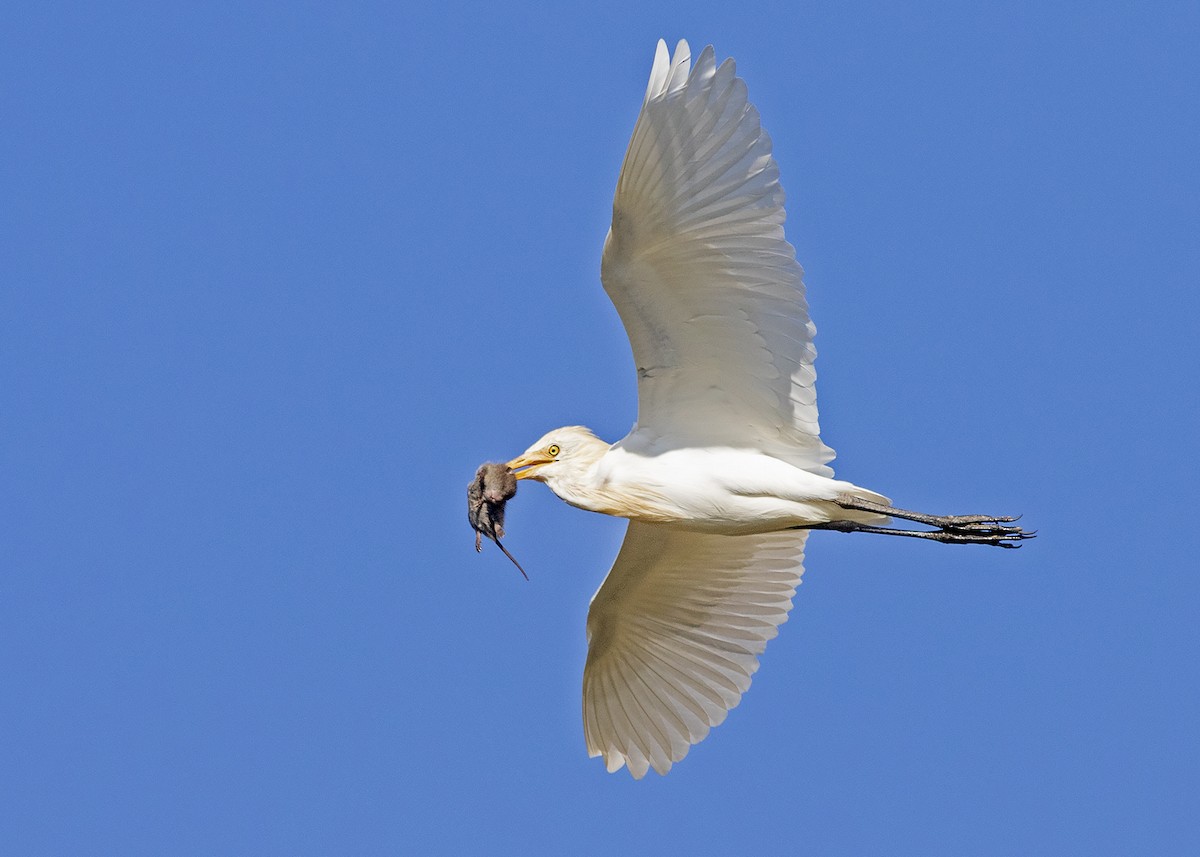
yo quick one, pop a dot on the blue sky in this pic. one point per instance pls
(275, 279)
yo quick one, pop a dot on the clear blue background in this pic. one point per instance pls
(275, 279)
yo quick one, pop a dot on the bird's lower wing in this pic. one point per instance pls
(674, 635)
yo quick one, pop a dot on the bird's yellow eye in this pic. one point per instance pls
(553, 449)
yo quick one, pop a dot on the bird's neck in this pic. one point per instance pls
(596, 488)
(584, 491)
(585, 486)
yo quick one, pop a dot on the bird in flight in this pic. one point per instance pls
(724, 473)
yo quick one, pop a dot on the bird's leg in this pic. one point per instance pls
(951, 529)
(945, 522)
(998, 536)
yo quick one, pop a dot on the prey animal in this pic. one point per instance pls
(493, 486)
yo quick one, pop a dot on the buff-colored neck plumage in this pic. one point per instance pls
(571, 473)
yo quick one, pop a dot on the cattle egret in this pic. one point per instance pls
(724, 472)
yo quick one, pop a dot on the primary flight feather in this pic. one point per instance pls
(724, 472)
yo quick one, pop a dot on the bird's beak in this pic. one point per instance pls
(526, 466)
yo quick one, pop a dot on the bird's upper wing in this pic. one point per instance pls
(674, 635)
(706, 284)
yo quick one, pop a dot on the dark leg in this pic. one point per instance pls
(1001, 537)
(943, 521)
(951, 529)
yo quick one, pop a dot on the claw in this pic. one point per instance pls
(999, 536)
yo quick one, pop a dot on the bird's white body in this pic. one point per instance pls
(707, 489)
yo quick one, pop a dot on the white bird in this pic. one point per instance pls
(724, 472)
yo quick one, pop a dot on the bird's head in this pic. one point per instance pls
(565, 454)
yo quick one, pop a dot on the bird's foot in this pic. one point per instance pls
(980, 530)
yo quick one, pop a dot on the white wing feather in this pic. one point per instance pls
(713, 301)
(674, 635)
(706, 284)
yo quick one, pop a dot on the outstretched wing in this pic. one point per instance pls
(706, 284)
(674, 635)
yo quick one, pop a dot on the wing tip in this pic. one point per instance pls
(658, 71)
(638, 767)
(671, 71)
